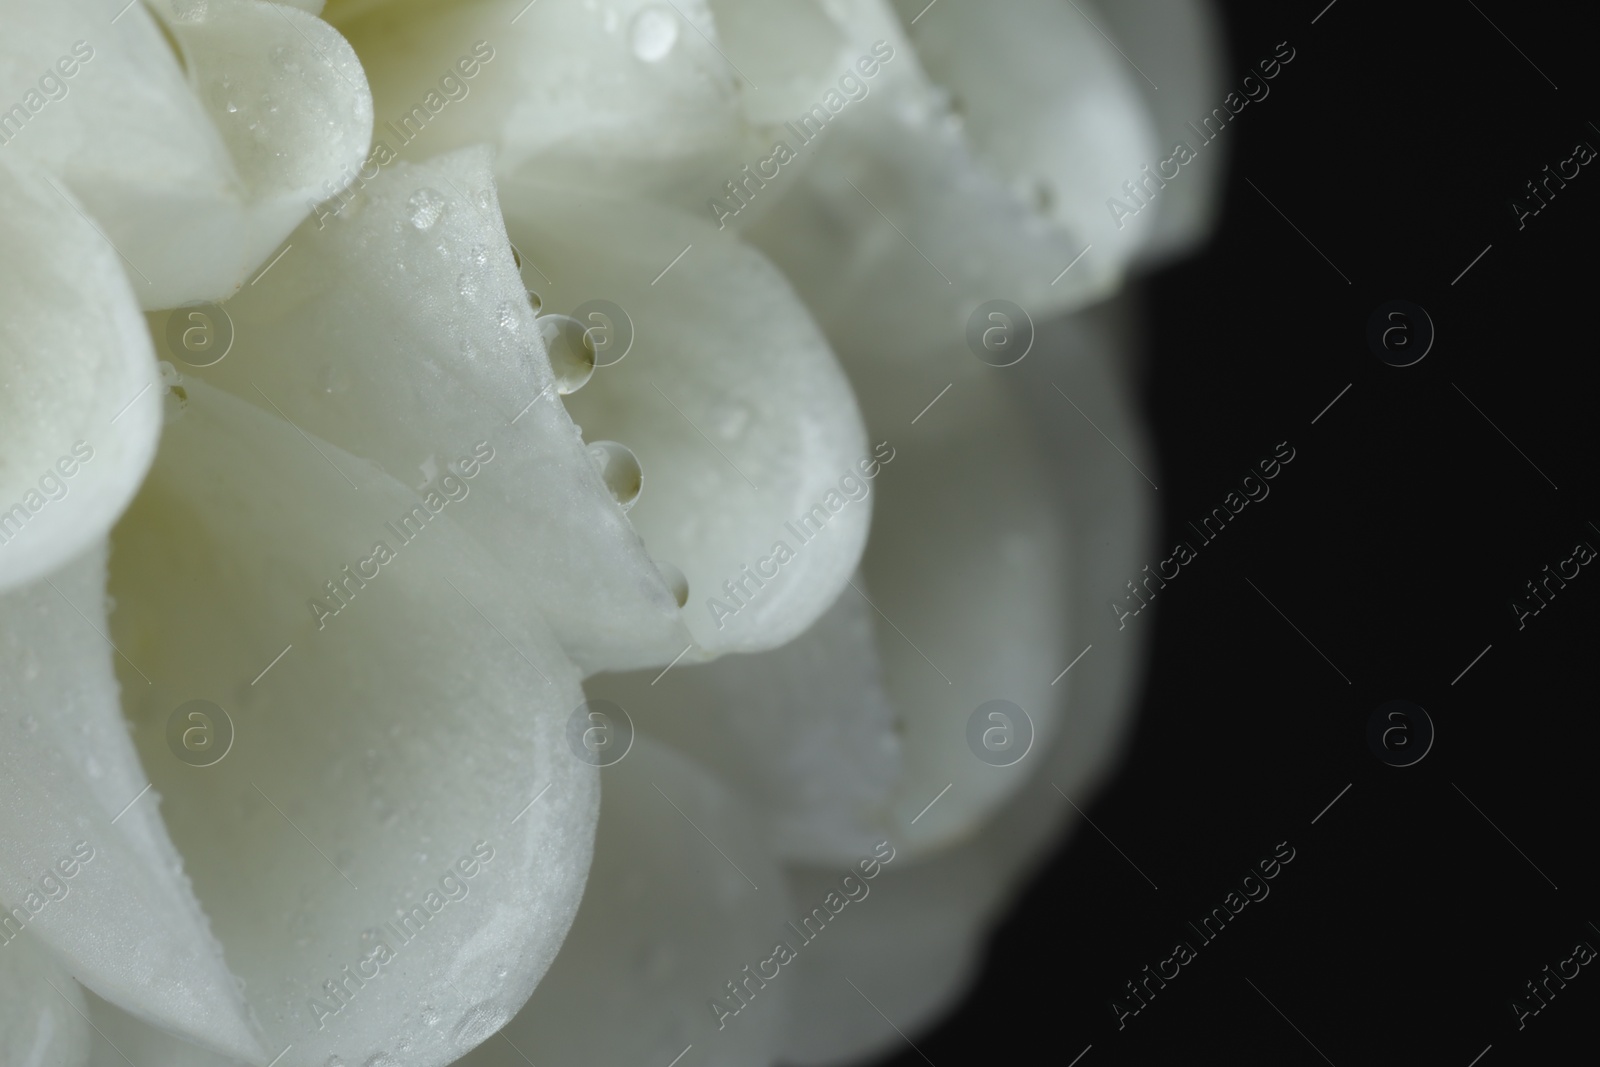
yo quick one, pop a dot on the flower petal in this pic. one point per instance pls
(126, 923)
(936, 912)
(980, 168)
(195, 172)
(659, 112)
(372, 823)
(666, 923)
(78, 421)
(42, 1019)
(400, 331)
(745, 426)
(1183, 40)
(804, 733)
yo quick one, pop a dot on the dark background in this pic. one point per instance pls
(1407, 922)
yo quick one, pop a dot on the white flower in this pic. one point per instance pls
(300, 710)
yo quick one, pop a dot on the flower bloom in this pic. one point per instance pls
(439, 444)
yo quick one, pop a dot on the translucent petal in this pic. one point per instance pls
(399, 330)
(195, 165)
(666, 923)
(745, 425)
(979, 168)
(372, 844)
(87, 858)
(78, 416)
(805, 733)
(42, 1018)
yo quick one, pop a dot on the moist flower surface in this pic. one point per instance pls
(550, 532)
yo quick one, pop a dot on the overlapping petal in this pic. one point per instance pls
(196, 162)
(684, 898)
(980, 168)
(78, 415)
(744, 424)
(88, 860)
(395, 839)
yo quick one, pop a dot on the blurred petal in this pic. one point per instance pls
(743, 421)
(78, 418)
(923, 949)
(1181, 39)
(979, 168)
(42, 1017)
(805, 733)
(195, 166)
(127, 924)
(370, 823)
(666, 923)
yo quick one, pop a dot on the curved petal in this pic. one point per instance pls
(745, 426)
(918, 960)
(78, 416)
(369, 825)
(42, 1017)
(1183, 40)
(666, 923)
(807, 733)
(195, 165)
(980, 169)
(400, 331)
(88, 861)
(659, 113)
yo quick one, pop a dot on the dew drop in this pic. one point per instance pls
(467, 286)
(535, 301)
(430, 1015)
(571, 355)
(506, 317)
(619, 469)
(675, 581)
(425, 207)
(653, 33)
(478, 256)
(233, 109)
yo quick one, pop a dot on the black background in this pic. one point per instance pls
(1407, 922)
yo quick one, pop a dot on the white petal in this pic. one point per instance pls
(1182, 39)
(923, 950)
(742, 419)
(193, 195)
(564, 91)
(78, 418)
(376, 752)
(42, 1016)
(127, 926)
(968, 567)
(667, 920)
(400, 331)
(805, 733)
(912, 215)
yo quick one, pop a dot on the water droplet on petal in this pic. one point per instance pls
(535, 301)
(425, 207)
(619, 469)
(653, 33)
(675, 581)
(571, 355)
(467, 286)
